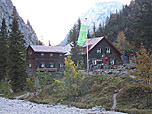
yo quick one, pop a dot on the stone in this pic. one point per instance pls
(103, 110)
(53, 104)
(26, 107)
(95, 109)
(6, 11)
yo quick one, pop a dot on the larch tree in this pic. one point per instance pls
(16, 56)
(3, 50)
(121, 42)
(143, 72)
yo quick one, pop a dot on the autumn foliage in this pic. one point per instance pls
(72, 84)
(143, 73)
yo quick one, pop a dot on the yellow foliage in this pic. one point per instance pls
(143, 64)
(60, 83)
(121, 43)
(83, 77)
(73, 79)
(74, 86)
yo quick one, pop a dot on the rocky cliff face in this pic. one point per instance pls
(6, 11)
(99, 12)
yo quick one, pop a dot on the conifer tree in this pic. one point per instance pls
(143, 23)
(73, 37)
(94, 31)
(3, 50)
(16, 57)
(100, 31)
(121, 43)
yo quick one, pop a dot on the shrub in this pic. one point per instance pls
(5, 88)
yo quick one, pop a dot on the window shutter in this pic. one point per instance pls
(114, 62)
(110, 51)
(54, 65)
(105, 50)
(101, 50)
(59, 65)
(109, 62)
(40, 65)
(96, 50)
(90, 62)
(106, 59)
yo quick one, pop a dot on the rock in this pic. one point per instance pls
(110, 72)
(103, 110)
(6, 11)
(10, 90)
(1, 94)
(53, 104)
(95, 109)
(116, 91)
(69, 106)
(121, 69)
(26, 107)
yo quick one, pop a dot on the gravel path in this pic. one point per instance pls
(115, 100)
(8, 106)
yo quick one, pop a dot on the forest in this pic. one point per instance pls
(133, 25)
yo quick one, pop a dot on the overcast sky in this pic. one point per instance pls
(52, 19)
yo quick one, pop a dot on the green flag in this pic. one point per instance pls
(82, 35)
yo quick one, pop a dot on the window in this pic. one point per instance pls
(61, 65)
(107, 50)
(30, 65)
(94, 62)
(51, 65)
(42, 54)
(98, 50)
(51, 54)
(112, 61)
(81, 50)
(30, 53)
(42, 65)
(60, 54)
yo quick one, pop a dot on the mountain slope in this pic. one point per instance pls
(97, 14)
(6, 11)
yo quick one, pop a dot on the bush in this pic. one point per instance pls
(5, 88)
(72, 84)
(96, 87)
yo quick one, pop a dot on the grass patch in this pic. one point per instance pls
(100, 90)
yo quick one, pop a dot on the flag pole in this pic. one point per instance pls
(87, 49)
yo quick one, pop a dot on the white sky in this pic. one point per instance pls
(52, 19)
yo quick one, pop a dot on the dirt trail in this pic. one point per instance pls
(115, 100)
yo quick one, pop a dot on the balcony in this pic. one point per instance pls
(48, 69)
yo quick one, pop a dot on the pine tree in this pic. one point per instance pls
(143, 23)
(94, 30)
(49, 43)
(16, 57)
(3, 50)
(73, 37)
(100, 31)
